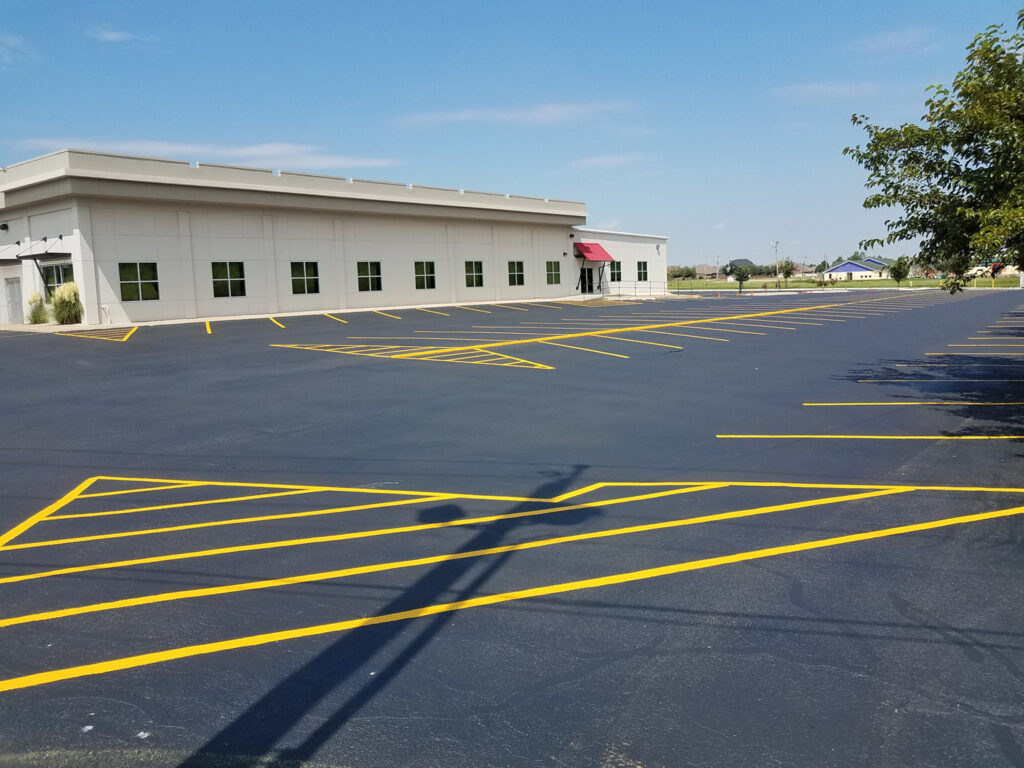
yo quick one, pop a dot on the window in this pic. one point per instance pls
(369, 275)
(425, 275)
(515, 273)
(616, 272)
(138, 281)
(641, 271)
(55, 275)
(305, 277)
(228, 279)
(554, 271)
(474, 274)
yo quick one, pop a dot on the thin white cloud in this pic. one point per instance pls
(720, 225)
(284, 155)
(897, 41)
(834, 90)
(608, 161)
(108, 35)
(13, 50)
(538, 114)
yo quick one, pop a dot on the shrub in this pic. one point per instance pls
(67, 308)
(37, 312)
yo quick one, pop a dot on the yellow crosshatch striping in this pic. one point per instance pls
(437, 355)
(101, 493)
(112, 334)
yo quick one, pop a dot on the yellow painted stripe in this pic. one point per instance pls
(974, 354)
(395, 317)
(474, 309)
(170, 487)
(687, 335)
(208, 327)
(64, 500)
(322, 539)
(585, 349)
(336, 318)
(638, 341)
(133, 330)
(433, 311)
(179, 505)
(306, 578)
(872, 437)
(509, 306)
(275, 322)
(927, 402)
(735, 330)
(211, 524)
(132, 662)
(985, 345)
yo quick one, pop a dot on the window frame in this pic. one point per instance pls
(233, 280)
(474, 274)
(368, 276)
(553, 269)
(62, 273)
(615, 276)
(641, 271)
(425, 275)
(516, 273)
(138, 283)
(308, 280)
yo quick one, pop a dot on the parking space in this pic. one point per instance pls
(291, 539)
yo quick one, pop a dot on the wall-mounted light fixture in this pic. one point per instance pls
(3, 227)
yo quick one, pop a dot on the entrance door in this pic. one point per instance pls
(13, 285)
(587, 280)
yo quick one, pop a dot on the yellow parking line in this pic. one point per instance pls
(585, 349)
(208, 327)
(687, 335)
(734, 330)
(433, 311)
(396, 317)
(935, 381)
(974, 354)
(336, 318)
(509, 306)
(638, 341)
(141, 660)
(474, 309)
(182, 504)
(275, 322)
(985, 345)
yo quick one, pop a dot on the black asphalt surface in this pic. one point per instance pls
(902, 647)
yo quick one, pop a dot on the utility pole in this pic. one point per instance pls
(774, 245)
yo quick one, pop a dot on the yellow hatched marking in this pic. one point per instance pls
(169, 487)
(336, 318)
(63, 501)
(140, 660)
(114, 334)
(448, 557)
(433, 311)
(182, 504)
(638, 341)
(584, 349)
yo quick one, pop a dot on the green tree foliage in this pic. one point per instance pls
(739, 272)
(821, 267)
(956, 182)
(787, 269)
(899, 270)
(682, 273)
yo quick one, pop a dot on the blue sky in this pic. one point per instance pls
(718, 124)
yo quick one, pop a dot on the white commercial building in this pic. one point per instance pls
(147, 239)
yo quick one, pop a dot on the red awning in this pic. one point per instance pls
(592, 252)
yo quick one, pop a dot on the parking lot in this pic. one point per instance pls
(770, 530)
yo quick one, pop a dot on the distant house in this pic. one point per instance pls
(870, 268)
(802, 269)
(705, 271)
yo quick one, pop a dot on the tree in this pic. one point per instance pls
(899, 270)
(821, 267)
(739, 272)
(787, 269)
(957, 180)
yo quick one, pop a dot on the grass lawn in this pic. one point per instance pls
(759, 285)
